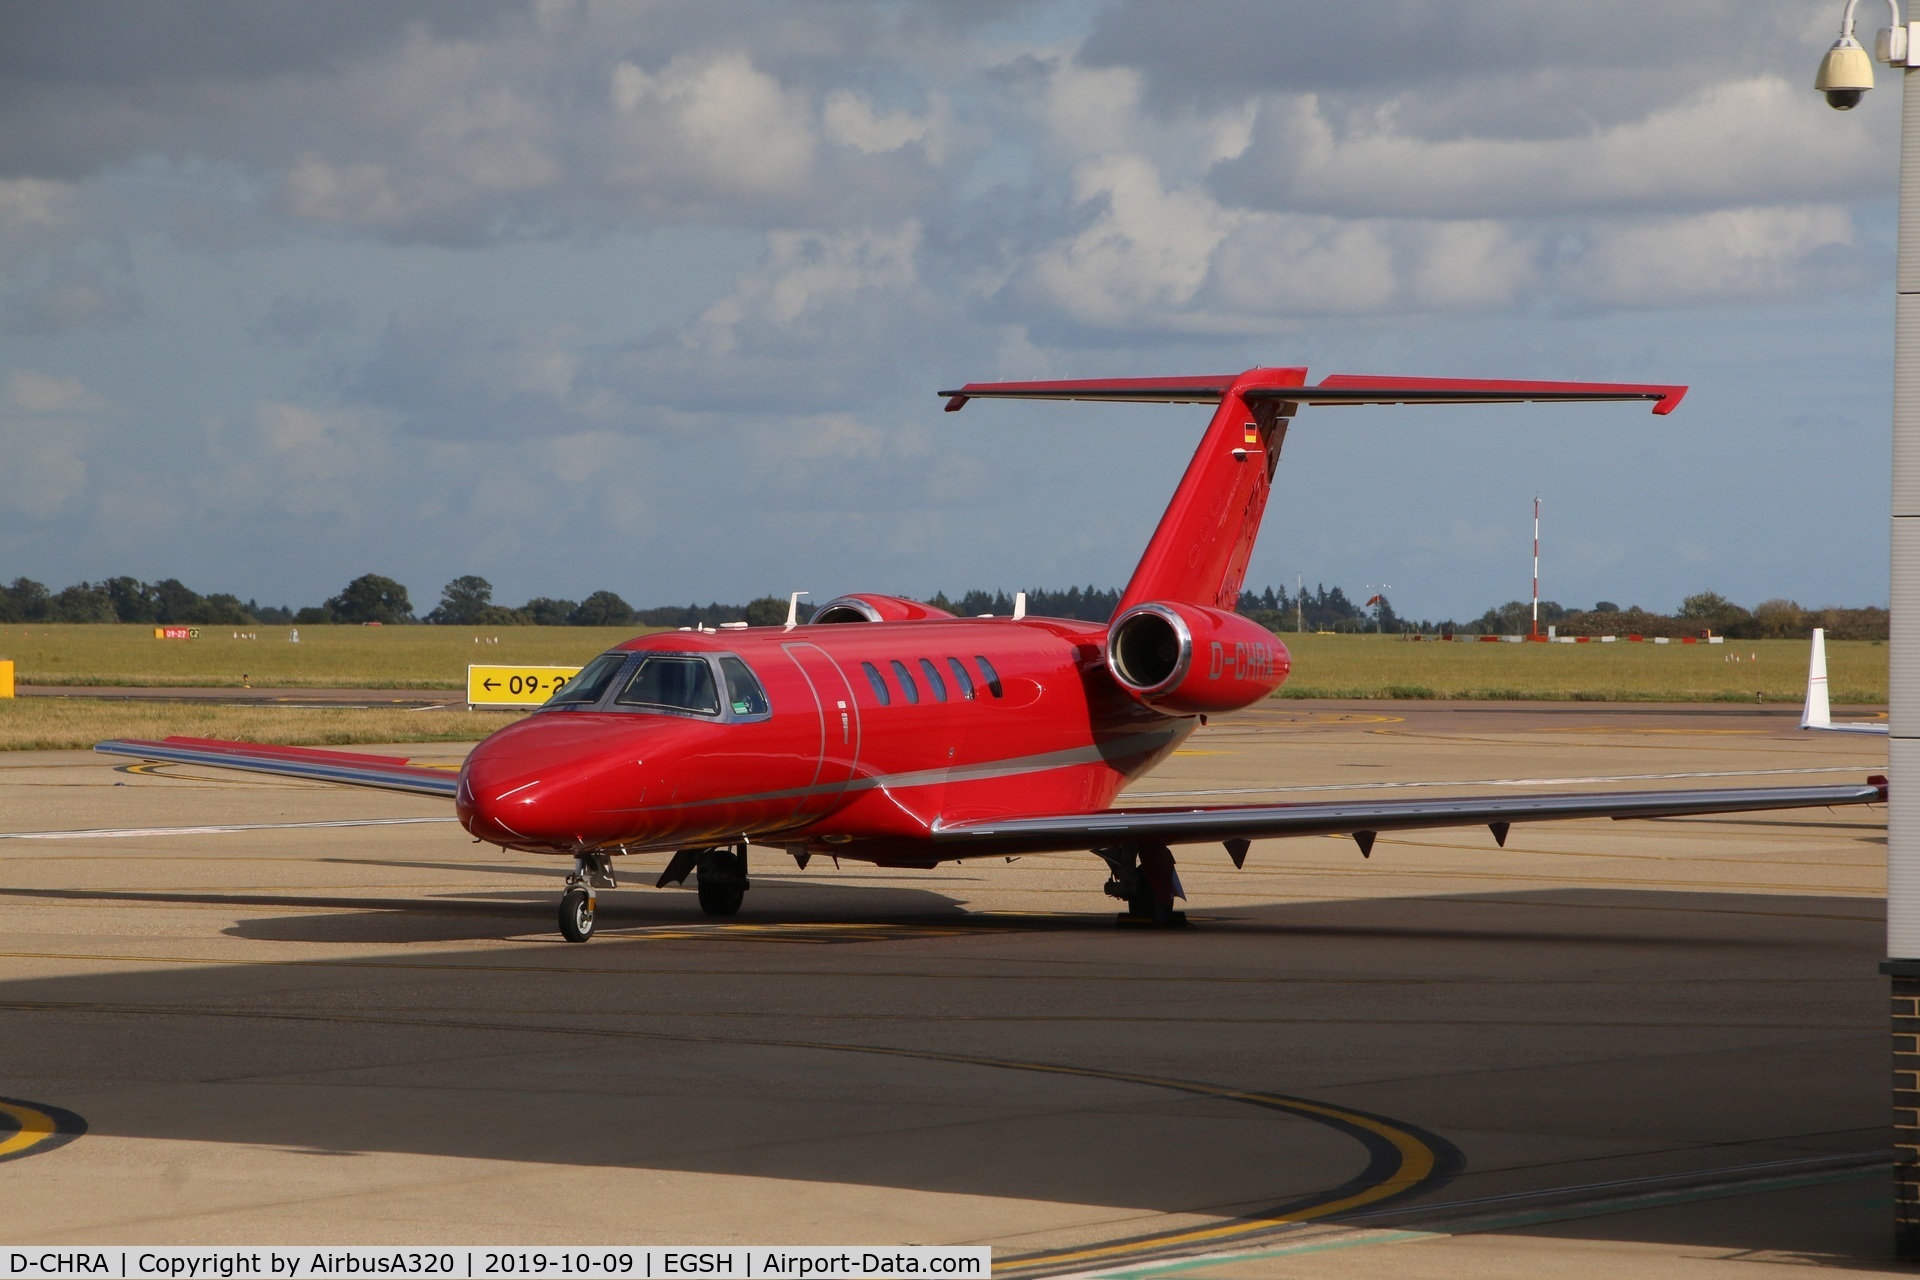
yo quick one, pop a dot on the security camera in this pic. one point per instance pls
(1846, 73)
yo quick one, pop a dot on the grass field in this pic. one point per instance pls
(1387, 667)
(325, 658)
(61, 724)
(1323, 666)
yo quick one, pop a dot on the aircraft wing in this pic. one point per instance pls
(389, 773)
(1365, 819)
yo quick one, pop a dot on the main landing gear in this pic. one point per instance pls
(722, 879)
(590, 871)
(721, 876)
(1143, 877)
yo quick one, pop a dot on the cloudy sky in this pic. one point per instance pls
(655, 296)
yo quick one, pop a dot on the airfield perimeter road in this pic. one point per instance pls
(1648, 1048)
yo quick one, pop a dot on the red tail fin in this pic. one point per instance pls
(1199, 552)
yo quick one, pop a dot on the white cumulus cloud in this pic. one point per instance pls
(1728, 255)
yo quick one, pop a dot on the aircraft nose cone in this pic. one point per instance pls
(522, 786)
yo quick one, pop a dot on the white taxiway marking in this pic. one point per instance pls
(1492, 782)
(108, 833)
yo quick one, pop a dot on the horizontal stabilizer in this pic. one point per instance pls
(1205, 389)
(388, 773)
(1339, 388)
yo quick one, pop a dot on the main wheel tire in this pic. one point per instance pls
(721, 897)
(1148, 912)
(720, 882)
(576, 915)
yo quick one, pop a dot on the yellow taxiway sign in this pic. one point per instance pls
(514, 686)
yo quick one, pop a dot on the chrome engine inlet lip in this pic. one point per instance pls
(1181, 632)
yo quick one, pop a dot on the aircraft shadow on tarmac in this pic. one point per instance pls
(518, 914)
(1559, 1038)
(792, 903)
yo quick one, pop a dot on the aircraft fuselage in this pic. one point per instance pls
(871, 734)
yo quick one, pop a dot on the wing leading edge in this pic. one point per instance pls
(1365, 819)
(388, 773)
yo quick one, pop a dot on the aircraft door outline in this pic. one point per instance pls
(838, 758)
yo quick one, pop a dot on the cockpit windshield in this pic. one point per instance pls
(589, 683)
(672, 682)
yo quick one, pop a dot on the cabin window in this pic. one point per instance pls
(745, 697)
(986, 669)
(879, 683)
(672, 682)
(589, 683)
(907, 686)
(934, 682)
(961, 678)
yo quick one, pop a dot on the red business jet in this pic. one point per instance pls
(894, 733)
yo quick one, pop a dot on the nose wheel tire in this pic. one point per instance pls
(576, 915)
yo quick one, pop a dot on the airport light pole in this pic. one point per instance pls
(1536, 566)
(1846, 73)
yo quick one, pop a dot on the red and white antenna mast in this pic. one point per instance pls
(1536, 564)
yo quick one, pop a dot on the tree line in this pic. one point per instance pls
(1704, 611)
(468, 601)
(370, 598)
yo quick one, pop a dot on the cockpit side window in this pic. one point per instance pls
(672, 682)
(745, 697)
(589, 683)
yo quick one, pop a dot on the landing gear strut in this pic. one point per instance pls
(722, 879)
(1143, 877)
(590, 871)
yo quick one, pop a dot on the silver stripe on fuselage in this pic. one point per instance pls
(1133, 745)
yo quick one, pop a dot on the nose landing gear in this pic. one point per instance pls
(590, 871)
(576, 915)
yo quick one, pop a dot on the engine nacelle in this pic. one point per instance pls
(1187, 659)
(872, 608)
